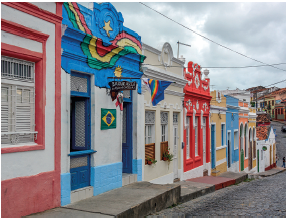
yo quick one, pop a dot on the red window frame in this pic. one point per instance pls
(40, 78)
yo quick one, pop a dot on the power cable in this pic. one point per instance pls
(209, 39)
(251, 66)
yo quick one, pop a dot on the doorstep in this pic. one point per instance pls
(128, 178)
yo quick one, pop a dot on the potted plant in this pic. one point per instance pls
(167, 156)
(151, 161)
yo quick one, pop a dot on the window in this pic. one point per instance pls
(273, 112)
(235, 140)
(269, 102)
(149, 126)
(164, 126)
(17, 101)
(245, 141)
(272, 102)
(196, 136)
(149, 135)
(222, 133)
(188, 137)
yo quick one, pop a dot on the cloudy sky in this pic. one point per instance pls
(257, 30)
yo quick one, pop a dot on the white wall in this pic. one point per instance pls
(33, 162)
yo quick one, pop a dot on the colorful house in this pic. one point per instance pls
(100, 146)
(252, 139)
(218, 134)
(30, 107)
(164, 120)
(266, 148)
(232, 135)
(197, 123)
(270, 104)
(243, 136)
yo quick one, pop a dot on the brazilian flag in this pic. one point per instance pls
(108, 119)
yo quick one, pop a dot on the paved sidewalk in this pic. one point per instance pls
(134, 200)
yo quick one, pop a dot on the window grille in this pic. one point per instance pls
(17, 102)
(78, 84)
(149, 117)
(175, 118)
(164, 118)
(17, 69)
(127, 94)
(78, 162)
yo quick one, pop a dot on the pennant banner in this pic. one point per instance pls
(156, 89)
(108, 119)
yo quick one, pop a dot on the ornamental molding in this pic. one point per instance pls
(160, 74)
(194, 118)
(205, 87)
(217, 111)
(178, 61)
(197, 81)
(197, 105)
(202, 114)
(205, 106)
(190, 82)
(189, 104)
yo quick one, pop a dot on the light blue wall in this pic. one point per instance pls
(137, 168)
(231, 124)
(65, 189)
(106, 177)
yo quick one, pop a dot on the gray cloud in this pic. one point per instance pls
(257, 30)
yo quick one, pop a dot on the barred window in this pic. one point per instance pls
(17, 101)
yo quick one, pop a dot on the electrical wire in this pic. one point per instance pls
(251, 66)
(210, 39)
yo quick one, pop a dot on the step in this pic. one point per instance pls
(128, 178)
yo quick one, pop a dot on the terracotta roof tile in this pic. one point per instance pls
(265, 117)
(262, 132)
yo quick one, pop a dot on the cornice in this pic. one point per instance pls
(35, 11)
(175, 93)
(160, 74)
(218, 107)
(23, 31)
(150, 49)
(178, 61)
(232, 107)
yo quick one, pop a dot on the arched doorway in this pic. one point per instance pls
(241, 148)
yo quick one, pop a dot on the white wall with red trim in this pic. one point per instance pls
(31, 173)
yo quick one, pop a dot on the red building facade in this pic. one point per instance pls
(197, 99)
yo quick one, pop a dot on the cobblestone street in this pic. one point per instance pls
(280, 142)
(264, 197)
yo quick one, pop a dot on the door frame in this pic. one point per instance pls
(86, 97)
(129, 140)
(213, 146)
(175, 170)
(229, 149)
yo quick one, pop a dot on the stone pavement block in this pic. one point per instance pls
(191, 190)
(67, 213)
(239, 177)
(134, 200)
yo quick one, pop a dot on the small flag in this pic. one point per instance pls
(108, 119)
(157, 89)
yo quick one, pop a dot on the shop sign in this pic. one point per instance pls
(122, 85)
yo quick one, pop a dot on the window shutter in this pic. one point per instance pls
(4, 114)
(24, 113)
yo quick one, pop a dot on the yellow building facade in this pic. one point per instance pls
(218, 137)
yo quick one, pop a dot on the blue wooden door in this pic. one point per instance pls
(213, 146)
(127, 137)
(80, 130)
